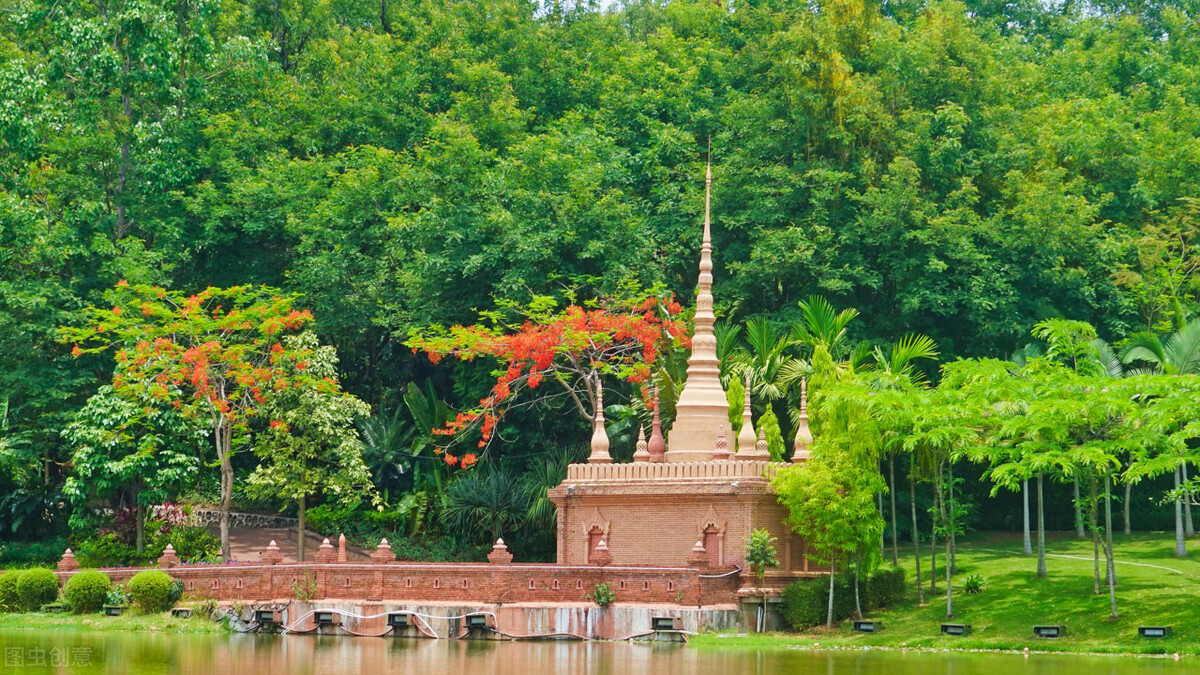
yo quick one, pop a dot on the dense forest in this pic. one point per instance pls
(957, 170)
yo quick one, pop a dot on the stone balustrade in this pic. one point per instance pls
(674, 471)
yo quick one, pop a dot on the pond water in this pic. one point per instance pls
(35, 652)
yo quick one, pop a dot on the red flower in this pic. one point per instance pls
(76, 351)
(122, 283)
(469, 459)
(451, 460)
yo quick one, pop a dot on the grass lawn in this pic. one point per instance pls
(1014, 600)
(129, 621)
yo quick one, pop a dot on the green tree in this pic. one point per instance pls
(311, 445)
(831, 504)
(136, 445)
(214, 356)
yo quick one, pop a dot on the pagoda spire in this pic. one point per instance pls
(702, 406)
(804, 437)
(600, 442)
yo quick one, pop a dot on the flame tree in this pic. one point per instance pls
(216, 356)
(569, 348)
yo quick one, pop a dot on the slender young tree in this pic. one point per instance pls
(831, 503)
(311, 445)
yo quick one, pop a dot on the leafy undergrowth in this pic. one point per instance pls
(1014, 600)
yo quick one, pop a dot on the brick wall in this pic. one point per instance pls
(477, 583)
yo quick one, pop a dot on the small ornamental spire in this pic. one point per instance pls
(721, 451)
(500, 554)
(600, 443)
(699, 556)
(68, 562)
(271, 556)
(657, 445)
(749, 447)
(746, 436)
(804, 437)
(326, 554)
(641, 451)
(761, 446)
(601, 555)
(383, 553)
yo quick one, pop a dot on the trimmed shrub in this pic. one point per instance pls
(805, 602)
(87, 591)
(151, 591)
(9, 602)
(36, 587)
(885, 588)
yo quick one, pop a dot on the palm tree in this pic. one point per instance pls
(898, 361)
(1179, 354)
(821, 324)
(764, 357)
(484, 504)
(539, 477)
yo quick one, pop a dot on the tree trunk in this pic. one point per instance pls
(882, 542)
(383, 17)
(941, 500)
(1108, 542)
(301, 537)
(916, 534)
(1187, 503)
(933, 554)
(892, 494)
(829, 610)
(139, 519)
(1128, 525)
(1108, 547)
(1180, 549)
(1041, 518)
(951, 534)
(1092, 517)
(1027, 548)
(224, 437)
(1079, 533)
(857, 599)
(122, 225)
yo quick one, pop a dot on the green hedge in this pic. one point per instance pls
(86, 591)
(36, 587)
(9, 602)
(152, 591)
(805, 603)
(885, 588)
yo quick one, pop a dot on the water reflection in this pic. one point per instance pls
(81, 652)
